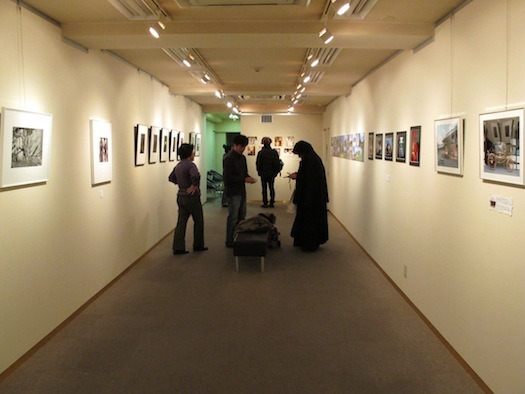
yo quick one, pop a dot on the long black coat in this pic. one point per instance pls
(310, 228)
(267, 162)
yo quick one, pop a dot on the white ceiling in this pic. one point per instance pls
(253, 51)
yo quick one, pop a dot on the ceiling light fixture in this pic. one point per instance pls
(314, 63)
(162, 25)
(342, 6)
(186, 62)
(291, 108)
(325, 35)
(153, 32)
(229, 104)
(307, 79)
(218, 93)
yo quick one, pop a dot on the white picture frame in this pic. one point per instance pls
(154, 144)
(141, 144)
(174, 135)
(25, 146)
(448, 145)
(198, 142)
(181, 140)
(164, 144)
(101, 152)
(501, 144)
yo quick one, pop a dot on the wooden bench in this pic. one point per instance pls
(250, 244)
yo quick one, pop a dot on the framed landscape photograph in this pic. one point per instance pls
(401, 146)
(154, 144)
(370, 146)
(25, 146)
(415, 141)
(164, 144)
(173, 145)
(101, 152)
(448, 145)
(141, 135)
(389, 146)
(379, 146)
(501, 144)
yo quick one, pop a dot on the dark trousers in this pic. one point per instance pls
(268, 183)
(236, 213)
(189, 206)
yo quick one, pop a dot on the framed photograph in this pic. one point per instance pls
(141, 134)
(101, 152)
(415, 141)
(164, 144)
(25, 146)
(154, 144)
(290, 140)
(370, 146)
(181, 140)
(278, 141)
(501, 144)
(250, 150)
(389, 146)
(401, 146)
(173, 145)
(252, 140)
(448, 145)
(198, 142)
(191, 138)
(379, 146)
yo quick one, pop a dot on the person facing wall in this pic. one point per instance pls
(268, 166)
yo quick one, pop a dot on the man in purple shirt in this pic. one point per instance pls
(186, 175)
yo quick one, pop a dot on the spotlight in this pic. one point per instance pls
(325, 35)
(229, 104)
(162, 25)
(307, 79)
(218, 94)
(341, 6)
(153, 32)
(236, 110)
(207, 77)
(291, 108)
(314, 63)
(186, 63)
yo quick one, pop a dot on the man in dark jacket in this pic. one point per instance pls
(235, 176)
(268, 166)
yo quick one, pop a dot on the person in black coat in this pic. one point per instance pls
(268, 166)
(310, 228)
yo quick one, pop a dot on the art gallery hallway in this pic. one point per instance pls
(324, 322)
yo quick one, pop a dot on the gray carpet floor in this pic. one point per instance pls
(323, 322)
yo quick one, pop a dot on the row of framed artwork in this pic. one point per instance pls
(161, 144)
(25, 147)
(500, 147)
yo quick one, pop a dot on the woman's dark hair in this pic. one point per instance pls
(302, 148)
(185, 151)
(227, 148)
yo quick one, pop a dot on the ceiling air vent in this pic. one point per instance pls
(216, 3)
(140, 10)
(266, 119)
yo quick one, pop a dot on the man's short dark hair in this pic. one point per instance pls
(185, 151)
(240, 140)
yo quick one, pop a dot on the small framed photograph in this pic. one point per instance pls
(290, 141)
(252, 140)
(198, 142)
(181, 140)
(191, 138)
(101, 152)
(415, 140)
(379, 146)
(501, 144)
(173, 145)
(278, 141)
(154, 144)
(401, 146)
(164, 144)
(141, 135)
(25, 147)
(250, 150)
(370, 146)
(389, 146)
(448, 145)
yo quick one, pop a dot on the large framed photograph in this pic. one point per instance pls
(154, 144)
(141, 135)
(173, 145)
(415, 141)
(379, 146)
(164, 144)
(101, 152)
(181, 140)
(501, 144)
(370, 146)
(401, 146)
(25, 146)
(389, 146)
(448, 145)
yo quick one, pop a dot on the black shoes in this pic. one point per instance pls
(200, 249)
(180, 252)
(271, 206)
(264, 206)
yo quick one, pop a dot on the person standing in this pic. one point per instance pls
(235, 177)
(268, 167)
(187, 177)
(310, 228)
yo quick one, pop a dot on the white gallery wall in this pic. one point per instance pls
(300, 127)
(464, 263)
(63, 241)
